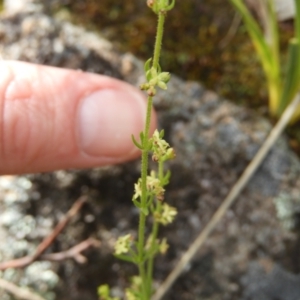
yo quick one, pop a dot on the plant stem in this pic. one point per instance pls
(147, 276)
(154, 233)
(158, 39)
(144, 173)
(151, 259)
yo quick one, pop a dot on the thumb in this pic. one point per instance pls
(57, 119)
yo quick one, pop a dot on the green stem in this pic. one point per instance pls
(146, 285)
(144, 282)
(154, 233)
(158, 40)
(142, 222)
(151, 259)
(145, 153)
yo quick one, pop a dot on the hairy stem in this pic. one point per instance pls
(154, 233)
(144, 172)
(158, 39)
(147, 270)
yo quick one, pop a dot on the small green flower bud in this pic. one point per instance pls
(164, 76)
(151, 3)
(162, 85)
(151, 91)
(144, 86)
(160, 5)
(153, 82)
(170, 154)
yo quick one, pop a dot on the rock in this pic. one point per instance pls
(214, 141)
(275, 284)
(18, 6)
(285, 9)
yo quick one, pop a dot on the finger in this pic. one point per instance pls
(56, 119)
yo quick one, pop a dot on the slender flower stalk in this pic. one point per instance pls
(149, 190)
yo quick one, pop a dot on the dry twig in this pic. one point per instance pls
(74, 252)
(25, 261)
(231, 32)
(22, 293)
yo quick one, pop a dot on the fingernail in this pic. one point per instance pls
(107, 119)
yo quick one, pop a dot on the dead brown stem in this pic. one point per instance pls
(74, 252)
(22, 293)
(25, 261)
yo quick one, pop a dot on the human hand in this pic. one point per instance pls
(58, 119)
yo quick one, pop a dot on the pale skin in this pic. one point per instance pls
(53, 118)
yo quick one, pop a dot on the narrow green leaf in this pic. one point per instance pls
(171, 5)
(166, 178)
(125, 257)
(151, 252)
(148, 75)
(162, 85)
(142, 137)
(140, 260)
(136, 143)
(162, 133)
(158, 69)
(297, 19)
(149, 202)
(136, 203)
(274, 37)
(147, 65)
(292, 80)
(296, 115)
(267, 51)
(134, 255)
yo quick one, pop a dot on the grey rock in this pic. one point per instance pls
(275, 285)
